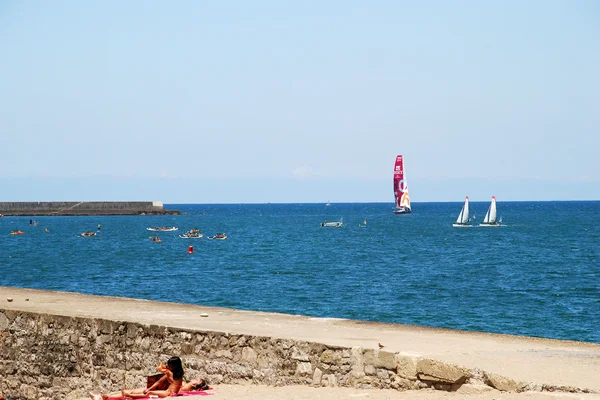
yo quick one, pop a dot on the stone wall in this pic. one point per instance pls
(57, 357)
(83, 208)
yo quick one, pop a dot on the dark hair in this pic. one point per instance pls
(202, 385)
(176, 367)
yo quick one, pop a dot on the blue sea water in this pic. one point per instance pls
(538, 275)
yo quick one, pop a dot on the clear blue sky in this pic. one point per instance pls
(275, 101)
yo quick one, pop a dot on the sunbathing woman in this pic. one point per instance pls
(173, 374)
(193, 385)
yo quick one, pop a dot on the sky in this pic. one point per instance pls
(285, 102)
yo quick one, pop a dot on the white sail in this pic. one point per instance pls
(405, 200)
(463, 217)
(493, 210)
(459, 219)
(486, 219)
(490, 216)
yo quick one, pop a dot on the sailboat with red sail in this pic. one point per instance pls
(401, 188)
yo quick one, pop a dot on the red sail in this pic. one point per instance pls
(399, 183)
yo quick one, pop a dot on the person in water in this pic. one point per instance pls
(173, 376)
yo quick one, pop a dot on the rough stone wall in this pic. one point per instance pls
(57, 357)
(86, 205)
(83, 208)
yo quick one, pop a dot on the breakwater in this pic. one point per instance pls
(61, 345)
(73, 208)
(59, 357)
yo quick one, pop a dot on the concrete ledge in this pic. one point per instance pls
(61, 345)
(440, 372)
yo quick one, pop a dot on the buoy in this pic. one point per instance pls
(190, 249)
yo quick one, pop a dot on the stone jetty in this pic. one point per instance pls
(58, 345)
(70, 208)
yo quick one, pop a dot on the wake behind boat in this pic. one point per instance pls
(163, 228)
(401, 188)
(490, 216)
(463, 218)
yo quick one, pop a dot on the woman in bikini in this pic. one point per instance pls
(173, 375)
(193, 385)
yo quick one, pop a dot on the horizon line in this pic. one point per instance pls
(387, 202)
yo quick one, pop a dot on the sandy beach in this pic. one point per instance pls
(252, 392)
(241, 392)
(540, 361)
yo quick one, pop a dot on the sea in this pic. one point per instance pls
(538, 274)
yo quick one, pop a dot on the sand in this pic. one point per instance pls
(238, 392)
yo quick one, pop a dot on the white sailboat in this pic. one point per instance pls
(490, 216)
(364, 224)
(463, 218)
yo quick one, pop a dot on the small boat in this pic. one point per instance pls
(218, 236)
(156, 239)
(18, 232)
(163, 228)
(333, 224)
(192, 234)
(401, 188)
(463, 218)
(490, 216)
(86, 234)
(364, 224)
(327, 204)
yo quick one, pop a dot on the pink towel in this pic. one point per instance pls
(191, 393)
